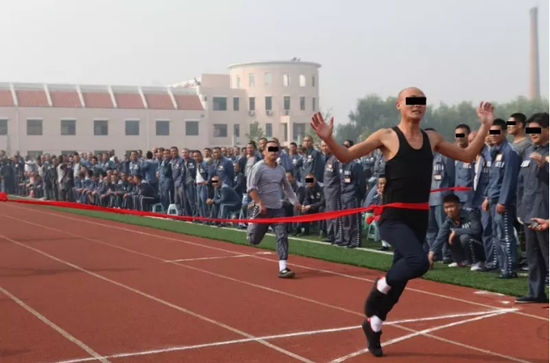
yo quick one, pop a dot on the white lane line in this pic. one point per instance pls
(163, 302)
(278, 336)
(55, 327)
(84, 219)
(431, 330)
(252, 284)
(207, 258)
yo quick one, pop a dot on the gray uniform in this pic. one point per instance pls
(332, 190)
(532, 197)
(443, 177)
(270, 182)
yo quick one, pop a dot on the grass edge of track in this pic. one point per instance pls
(362, 258)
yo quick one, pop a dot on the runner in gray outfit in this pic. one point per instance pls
(266, 183)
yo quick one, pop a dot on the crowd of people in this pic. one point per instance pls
(488, 228)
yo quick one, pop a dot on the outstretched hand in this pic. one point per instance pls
(322, 129)
(485, 113)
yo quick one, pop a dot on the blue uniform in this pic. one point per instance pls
(503, 176)
(480, 183)
(353, 189)
(443, 176)
(532, 197)
(464, 177)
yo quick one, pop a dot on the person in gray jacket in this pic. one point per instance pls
(532, 196)
(265, 184)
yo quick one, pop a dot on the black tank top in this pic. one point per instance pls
(408, 180)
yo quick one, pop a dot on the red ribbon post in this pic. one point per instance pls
(377, 210)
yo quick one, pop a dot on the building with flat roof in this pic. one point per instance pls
(211, 110)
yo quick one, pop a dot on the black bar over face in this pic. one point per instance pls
(309, 180)
(273, 149)
(533, 130)
(494, 132)
(511, 123)
(412, 101)
(460, 135)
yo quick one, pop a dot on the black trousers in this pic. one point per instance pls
(536, 243)
(410, 261)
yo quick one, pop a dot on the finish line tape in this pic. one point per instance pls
(376, 209)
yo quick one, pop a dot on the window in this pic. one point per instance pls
(313, 104)
(268, 130)
(101, 127)
(34, 154)
(285, 132)
(238, 81)
(235, 103)
(162, 128)
(252, 104)
(220, 103)
(34, 127)
(267, 79)
(3, 127)
(251, 80)
(312, 81)
(220, 130)
(299, 132)
(302, 80)
(268, 103)
(132, 128)
(286, 80)
(302, 103)
(68, 127)
(237, 130)
(286, 102)
(191, 128)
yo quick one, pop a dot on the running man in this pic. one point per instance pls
(408, 152)
(266, 183)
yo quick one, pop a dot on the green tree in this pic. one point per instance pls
(256, 132)
(373, 113)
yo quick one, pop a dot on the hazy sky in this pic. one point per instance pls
(454, 50)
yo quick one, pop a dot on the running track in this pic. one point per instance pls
(79, 289)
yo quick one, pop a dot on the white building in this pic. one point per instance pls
(213, 110)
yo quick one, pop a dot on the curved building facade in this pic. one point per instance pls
(281, 95)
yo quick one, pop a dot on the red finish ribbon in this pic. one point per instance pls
(376, 209)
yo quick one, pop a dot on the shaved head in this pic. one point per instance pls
(412, 112)
(410, 91)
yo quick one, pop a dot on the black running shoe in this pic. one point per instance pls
(286, 274)
(530, 300)
(374, 300)
(373, 339)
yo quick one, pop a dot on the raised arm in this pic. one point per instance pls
(324, 131)
(468, 155)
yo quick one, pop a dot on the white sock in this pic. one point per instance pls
(375, 323)
(383, 286)
(282, 265)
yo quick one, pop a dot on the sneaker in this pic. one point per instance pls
(286, 274)
(374, 300)
(530, 300)
(478, 266)
(373, 339)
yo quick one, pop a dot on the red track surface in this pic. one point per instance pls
(75, 288)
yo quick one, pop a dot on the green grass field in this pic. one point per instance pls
(302, 247)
